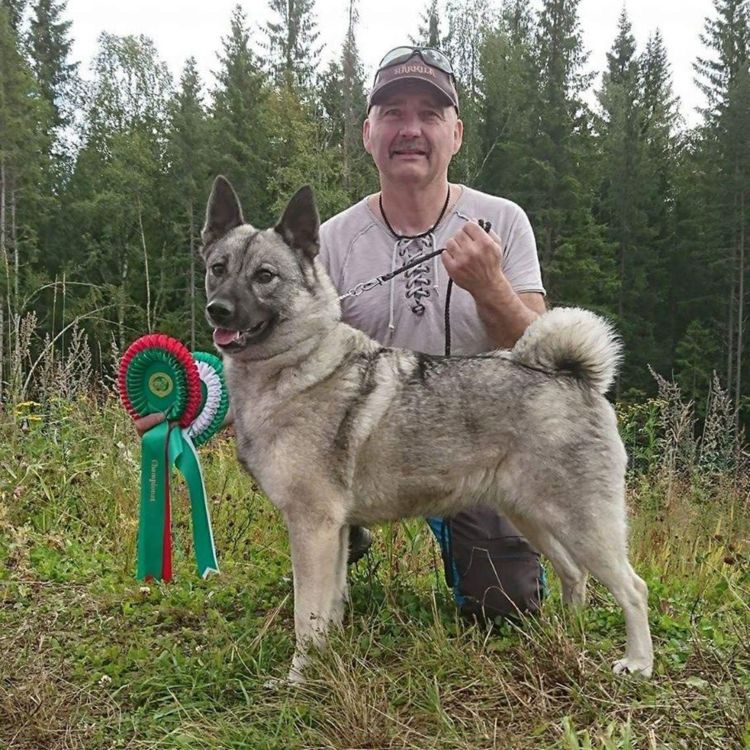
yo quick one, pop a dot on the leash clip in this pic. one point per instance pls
(362, 287)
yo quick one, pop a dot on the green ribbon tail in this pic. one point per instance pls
(154, 468)
(182, 453)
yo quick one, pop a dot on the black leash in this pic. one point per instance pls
(366, 286)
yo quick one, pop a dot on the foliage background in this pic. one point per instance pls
(103, 181)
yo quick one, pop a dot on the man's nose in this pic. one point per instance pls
(411, 127)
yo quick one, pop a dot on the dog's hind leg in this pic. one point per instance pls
(601, 547)
(319, 548)
(572, 576)
(632, 593)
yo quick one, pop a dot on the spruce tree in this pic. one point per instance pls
(723, 77)
(621, 206)
(576, 262)
(662, 260)
(49, 44)
(468, 23)
(428, 33)
(15, 9)
(292, 43)
(239, 121)
(355, 171)
(508, 96)
(189, 179)
(22, 144)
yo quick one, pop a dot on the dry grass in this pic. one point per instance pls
(91, 659)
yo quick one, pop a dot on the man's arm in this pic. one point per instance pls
(473, 260)
(144, 424)
(506, 315)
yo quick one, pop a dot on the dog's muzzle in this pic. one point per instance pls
(228, 335)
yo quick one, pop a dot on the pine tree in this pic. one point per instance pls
(292, 43)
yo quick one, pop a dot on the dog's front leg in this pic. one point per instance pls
(319, 551)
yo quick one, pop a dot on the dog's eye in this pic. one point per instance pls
(217, 269)
(264, 276)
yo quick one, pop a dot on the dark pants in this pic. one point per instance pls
(492, 569)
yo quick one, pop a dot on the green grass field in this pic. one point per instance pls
(92, 658)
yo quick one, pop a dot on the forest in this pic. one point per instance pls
(104, 174)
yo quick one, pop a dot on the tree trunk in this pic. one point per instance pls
(145, 265)
(740, 310)
(730, 322)
(14, 239)
(191, 295)
(121, 304)
(3, 258)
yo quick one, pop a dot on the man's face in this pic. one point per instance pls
(412, 135)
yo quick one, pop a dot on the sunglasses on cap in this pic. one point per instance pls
(430, 56)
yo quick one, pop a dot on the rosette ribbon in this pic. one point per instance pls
(158, 374)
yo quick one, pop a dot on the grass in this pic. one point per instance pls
(91, 658)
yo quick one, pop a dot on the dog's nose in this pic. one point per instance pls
(220, 311)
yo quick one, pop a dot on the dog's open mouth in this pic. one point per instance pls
(230, 340)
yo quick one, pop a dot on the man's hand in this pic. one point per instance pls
(472, 259)
(144, 424)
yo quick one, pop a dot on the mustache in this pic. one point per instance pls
(410, 147)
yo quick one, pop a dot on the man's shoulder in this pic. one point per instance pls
(473, 199)
(348, 222)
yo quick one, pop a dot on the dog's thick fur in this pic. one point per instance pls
(339, 430)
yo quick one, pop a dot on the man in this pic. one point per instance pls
(412, 131)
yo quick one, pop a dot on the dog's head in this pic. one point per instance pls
(265, 290)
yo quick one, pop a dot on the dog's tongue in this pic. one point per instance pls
(223, 336)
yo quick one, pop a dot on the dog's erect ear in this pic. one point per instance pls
(223, 211)
(300, 223)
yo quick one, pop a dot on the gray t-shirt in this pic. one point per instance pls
(408, 311)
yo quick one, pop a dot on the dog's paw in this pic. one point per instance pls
(277, 684)
(641, 668)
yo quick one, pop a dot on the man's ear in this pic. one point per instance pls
(458, 135)
(223, 211)
(299, 224)
(366, 134)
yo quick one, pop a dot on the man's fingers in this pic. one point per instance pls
(144, 424)
(473, 230)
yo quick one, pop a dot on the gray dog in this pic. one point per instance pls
(339, 430)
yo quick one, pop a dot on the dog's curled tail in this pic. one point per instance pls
(572, 341)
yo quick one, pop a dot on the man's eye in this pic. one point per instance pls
(264, 276)
(218, 269)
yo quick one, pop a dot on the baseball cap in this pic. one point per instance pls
(414, 64)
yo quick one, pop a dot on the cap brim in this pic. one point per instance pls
(377, 95)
